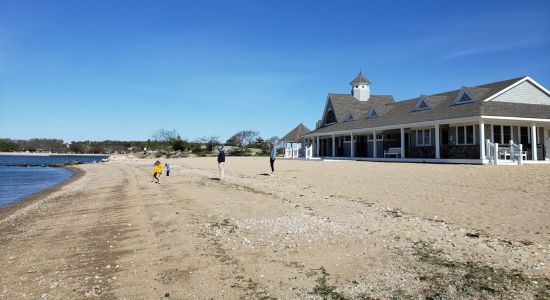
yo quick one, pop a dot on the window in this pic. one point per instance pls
(502, 134)
(524, 136)
(470, 135)
(465, 135)
(372, 113)
(463, 97)
(421, 104)
(497, 132)
(349, 117)
(331, 117)
(460, 135)
(506, 134)
(423, 137)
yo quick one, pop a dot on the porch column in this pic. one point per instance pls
(546, 143)
(437, 146)
(534, 141)
(402, 142)
(482, 139)
(375, 153)
(317, 148)
(333, 146)
(352, 150)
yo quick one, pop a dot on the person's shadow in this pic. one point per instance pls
(264, 174)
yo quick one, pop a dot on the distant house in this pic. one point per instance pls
(478, 124)
(294, 140)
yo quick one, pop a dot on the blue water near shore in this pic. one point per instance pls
(18, 182)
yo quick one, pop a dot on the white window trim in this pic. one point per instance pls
(460, 94)
(465, 134)
(421, 99)
(370, 112)
(423, 144)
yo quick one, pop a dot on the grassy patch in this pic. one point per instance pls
(225, 224)
(294, 264)
(325, 290)
(448, 279)
(395, 213)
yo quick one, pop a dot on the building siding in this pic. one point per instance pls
(526, 93)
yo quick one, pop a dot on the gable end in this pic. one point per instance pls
(525, 92)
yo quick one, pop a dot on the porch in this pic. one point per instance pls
(457, 141)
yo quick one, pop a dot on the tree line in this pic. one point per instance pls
(162, 140)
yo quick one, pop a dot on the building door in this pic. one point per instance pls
(444, 141)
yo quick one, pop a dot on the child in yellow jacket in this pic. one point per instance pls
(157, 170)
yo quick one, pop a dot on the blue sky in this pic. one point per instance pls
(97, 70)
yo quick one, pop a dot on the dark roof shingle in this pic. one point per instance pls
(441, 108)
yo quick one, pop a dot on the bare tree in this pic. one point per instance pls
(243, 138)
(165, 135)
(211, 141)
(275, 140)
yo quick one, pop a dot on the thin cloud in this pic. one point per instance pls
(498, 48)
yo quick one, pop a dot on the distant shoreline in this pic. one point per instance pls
(50, 154)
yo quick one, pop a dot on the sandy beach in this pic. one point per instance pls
(315, 230)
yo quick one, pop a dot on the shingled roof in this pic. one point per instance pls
(343, 104)
(296, 134)
(441, 108)
(360, 79)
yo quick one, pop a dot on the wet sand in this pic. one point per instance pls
(340, 230)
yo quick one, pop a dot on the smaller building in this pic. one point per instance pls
(294, 143)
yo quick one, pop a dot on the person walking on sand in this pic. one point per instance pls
(272, 157)
(167, 169)
(221, 162)
(157, 170)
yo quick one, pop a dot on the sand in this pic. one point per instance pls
(333, 230)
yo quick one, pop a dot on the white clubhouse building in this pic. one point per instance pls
(505, 121)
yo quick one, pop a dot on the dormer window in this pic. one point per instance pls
(349, 117)
(331, 117)
(421, 104)
(372, 113)
(463, 97)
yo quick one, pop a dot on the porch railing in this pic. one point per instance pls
(516, 153)
(491, 151)
(309, 152)
(292, 152)
(513, 152)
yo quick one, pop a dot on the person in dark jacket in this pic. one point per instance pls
(221, 162)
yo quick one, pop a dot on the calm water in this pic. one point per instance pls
(18, 182)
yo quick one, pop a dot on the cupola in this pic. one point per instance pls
(360, 88)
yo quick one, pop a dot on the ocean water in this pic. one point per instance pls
(18, 182)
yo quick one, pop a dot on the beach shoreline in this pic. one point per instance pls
(312, 229)
(50, 154)
(14, 208)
